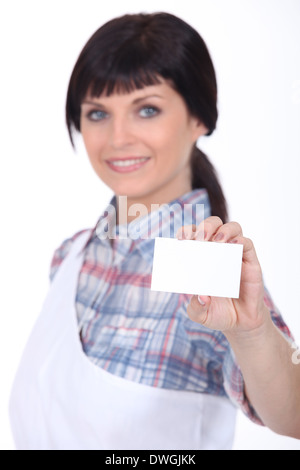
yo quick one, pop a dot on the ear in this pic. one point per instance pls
(198, 129)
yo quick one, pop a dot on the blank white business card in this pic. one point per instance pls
(196, 267)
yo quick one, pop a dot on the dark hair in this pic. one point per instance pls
(134, 51)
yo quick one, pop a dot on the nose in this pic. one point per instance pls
(121, 133)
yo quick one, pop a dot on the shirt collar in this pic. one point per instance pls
(189, 209)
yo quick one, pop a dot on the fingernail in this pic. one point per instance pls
(201, 301)
(219, 237)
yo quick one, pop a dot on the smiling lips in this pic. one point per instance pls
(127, 165)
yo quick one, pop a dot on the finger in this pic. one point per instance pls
(198, 309)
(227, 232)
(249, 252)
(187, 232)
(208, 228)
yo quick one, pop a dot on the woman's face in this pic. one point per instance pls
(140, 143)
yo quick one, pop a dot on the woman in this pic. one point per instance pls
(110, 363)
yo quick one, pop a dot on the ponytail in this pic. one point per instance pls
(204, 176)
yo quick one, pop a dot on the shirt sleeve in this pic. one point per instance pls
(61, 253)
(233, 379)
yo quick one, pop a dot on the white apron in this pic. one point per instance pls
(60, 400)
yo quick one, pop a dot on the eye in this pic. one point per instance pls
(149, 111)
(96, 115)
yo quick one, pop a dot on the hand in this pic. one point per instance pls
(249, 312)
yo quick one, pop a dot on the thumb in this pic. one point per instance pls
(198, 308)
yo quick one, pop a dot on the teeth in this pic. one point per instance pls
(129, 162)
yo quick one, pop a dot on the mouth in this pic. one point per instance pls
(127, 165)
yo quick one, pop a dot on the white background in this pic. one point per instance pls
(48, 192)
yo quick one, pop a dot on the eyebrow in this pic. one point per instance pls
(138, 100)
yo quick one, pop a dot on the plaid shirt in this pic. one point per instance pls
(146, 336)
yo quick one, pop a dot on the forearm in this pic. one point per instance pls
(272, 380)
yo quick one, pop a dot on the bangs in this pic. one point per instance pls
(122, 82)
(131, 66)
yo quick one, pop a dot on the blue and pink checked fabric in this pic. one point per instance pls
(146, 336)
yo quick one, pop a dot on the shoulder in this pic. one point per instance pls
(61, 252)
